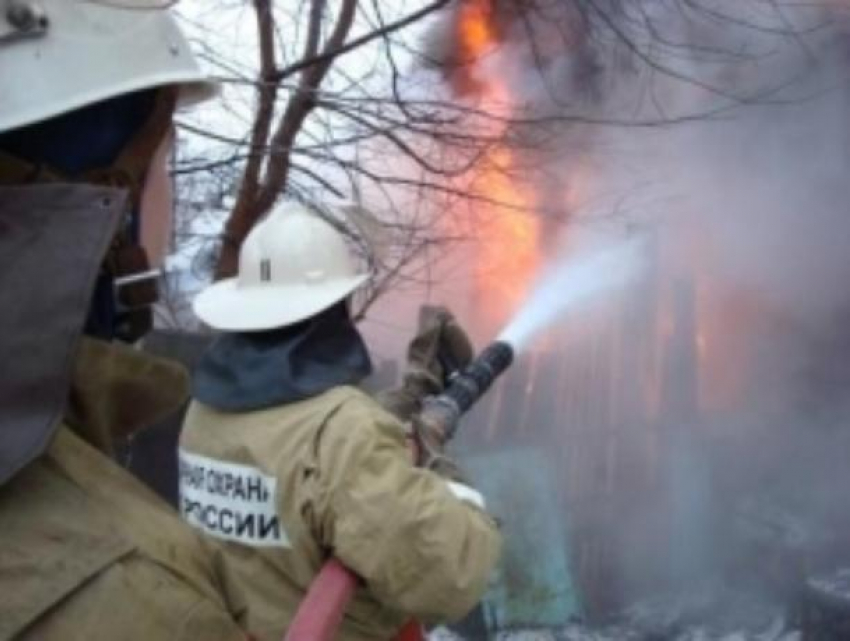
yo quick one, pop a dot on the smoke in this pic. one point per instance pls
(756, 184)
(720, 129)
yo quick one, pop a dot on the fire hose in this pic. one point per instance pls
(323, 607)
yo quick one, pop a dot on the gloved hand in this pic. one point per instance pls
(430, 450)
(440, 348)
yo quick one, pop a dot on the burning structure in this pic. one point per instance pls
(696, 428)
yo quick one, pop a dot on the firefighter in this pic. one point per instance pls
(287, 462)
(87, 551)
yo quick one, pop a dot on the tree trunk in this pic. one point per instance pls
(242, 219)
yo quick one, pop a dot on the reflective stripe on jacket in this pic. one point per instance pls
(286, 487)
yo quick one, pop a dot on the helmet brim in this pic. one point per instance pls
(226, 306)
(37, 85)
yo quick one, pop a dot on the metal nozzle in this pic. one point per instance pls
(470, 384)
(466, 387)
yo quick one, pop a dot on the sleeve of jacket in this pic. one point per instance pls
(420, 549)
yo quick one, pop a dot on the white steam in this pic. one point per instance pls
(576, 281)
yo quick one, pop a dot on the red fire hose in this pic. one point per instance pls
(323, 607)
(320, 613)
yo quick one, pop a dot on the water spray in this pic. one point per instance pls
(575, 282)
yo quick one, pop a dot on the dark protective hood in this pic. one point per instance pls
(84, 139)
(250, 371)
(52, 241)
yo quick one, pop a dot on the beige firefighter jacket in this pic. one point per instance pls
(288, 487)
(86, 551)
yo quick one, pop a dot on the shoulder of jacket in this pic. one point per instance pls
(350, 407)
(347, 393)
(348, 401)
(51, 528)
(328, 400)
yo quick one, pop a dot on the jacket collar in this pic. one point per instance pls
(249, 371)
(52, 241)
(116, 390)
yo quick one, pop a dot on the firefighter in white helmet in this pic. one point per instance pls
(305, 464)
(88, 91)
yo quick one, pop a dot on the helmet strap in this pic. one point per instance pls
(126, 257)
(131, 303)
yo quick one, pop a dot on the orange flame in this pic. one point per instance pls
(476, 31)
(507, 229)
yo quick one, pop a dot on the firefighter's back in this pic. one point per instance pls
(251, 481)
(285, 487)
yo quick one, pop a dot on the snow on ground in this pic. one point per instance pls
(704, 613)
(581, 633)
(442, 634)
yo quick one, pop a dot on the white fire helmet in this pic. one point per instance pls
(61, 55)
(292, 266)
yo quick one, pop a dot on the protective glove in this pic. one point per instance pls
(440, 348)
(431, 454)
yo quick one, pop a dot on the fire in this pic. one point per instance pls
(509, 247)
(476, 33)
(507, 228)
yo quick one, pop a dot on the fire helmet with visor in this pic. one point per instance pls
(90, 87)
(60, 55)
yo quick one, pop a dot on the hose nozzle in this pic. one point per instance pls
(443, 412)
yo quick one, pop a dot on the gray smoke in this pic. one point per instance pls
(720, 130)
